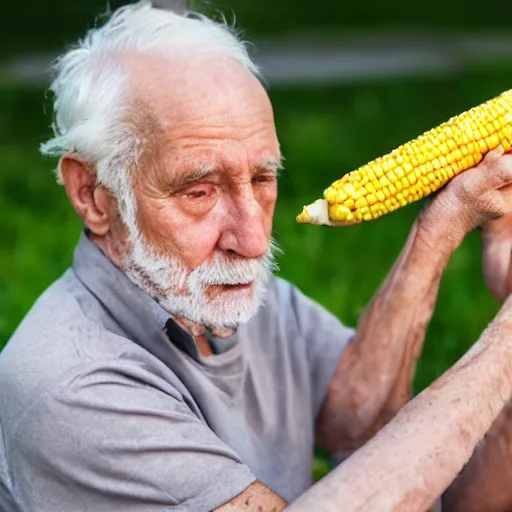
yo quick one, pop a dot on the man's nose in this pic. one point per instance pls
(245, 230)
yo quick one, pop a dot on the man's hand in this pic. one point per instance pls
(373, 379)
(473, 198)
(497, 256)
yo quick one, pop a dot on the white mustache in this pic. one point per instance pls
(224, 271)
(217, 271)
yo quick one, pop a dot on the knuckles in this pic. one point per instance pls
(474, 197)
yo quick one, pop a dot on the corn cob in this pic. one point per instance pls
(416, 169)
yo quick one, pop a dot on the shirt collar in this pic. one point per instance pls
(137, 313)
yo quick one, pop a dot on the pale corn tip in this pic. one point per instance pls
(315, 213)
(304, 217)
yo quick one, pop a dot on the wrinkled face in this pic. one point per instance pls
(205, 191)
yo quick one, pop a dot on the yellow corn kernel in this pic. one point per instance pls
(418, 168)
(350, 204)
(371, 199)
(361, 202)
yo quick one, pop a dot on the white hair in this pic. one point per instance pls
(91, 82)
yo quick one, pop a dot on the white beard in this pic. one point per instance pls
(184, 293)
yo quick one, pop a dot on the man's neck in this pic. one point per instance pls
(203, 346)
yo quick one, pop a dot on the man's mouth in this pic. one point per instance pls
(234, 287)
(217, 289)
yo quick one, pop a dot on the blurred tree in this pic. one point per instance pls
(34, 26)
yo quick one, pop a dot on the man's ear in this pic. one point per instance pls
(91, 201)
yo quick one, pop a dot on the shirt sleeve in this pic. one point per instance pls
(325, 338)
(119, 438)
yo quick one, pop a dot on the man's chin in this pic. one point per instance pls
(222, 320)
(199, 329)
(219, 309)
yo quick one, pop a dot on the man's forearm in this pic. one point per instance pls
(373, 379)
(486, 481)
(413, 459)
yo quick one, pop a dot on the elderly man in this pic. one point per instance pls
(167, 369)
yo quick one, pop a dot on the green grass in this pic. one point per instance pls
(33, 26)
(324, 132)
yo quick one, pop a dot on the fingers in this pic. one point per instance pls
(506, 196)
(498, 168)
(482, 183)
(479, 194)
(499, 230)
(496, 256)
(494, 154)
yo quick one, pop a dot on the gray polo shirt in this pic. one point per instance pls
(106, 405)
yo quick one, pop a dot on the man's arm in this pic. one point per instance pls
(409, 462)
(413, 459)
(486, 481)
(373, 379)
(256, 498)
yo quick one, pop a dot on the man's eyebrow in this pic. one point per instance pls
(270, 164)
(191, 176)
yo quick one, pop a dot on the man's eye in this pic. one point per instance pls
(196, 194)
(264, 178)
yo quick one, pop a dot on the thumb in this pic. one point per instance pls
(498, 168)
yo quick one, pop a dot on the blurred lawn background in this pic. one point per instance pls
(325, 131)
(32, 25)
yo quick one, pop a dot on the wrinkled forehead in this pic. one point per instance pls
(201, 110)
(179, 89)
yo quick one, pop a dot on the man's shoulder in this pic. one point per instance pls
(283, 306)
(58, 313)
(290, 310)
(285, 300)
(277, 303)
(280, 291)
(60, 336)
